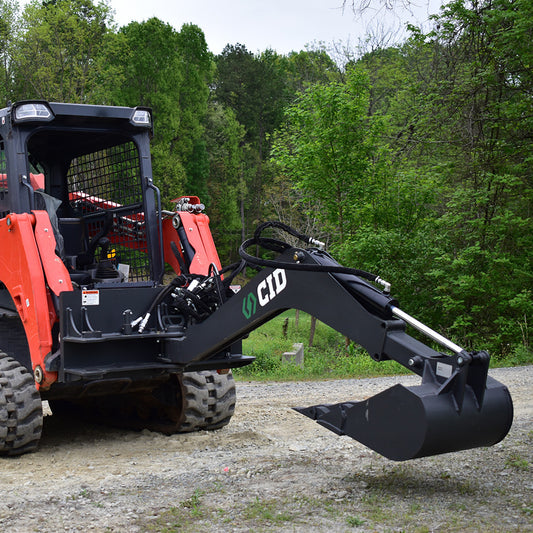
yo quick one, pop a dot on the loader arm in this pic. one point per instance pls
(31, 272)
(456, 407)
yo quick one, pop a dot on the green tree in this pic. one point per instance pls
(328, 146)
(337, 155)
(464, 116)
(198, 68)
(9, 29)
(61, 52)
(224, 143)
(237, 85)
(254, 87)
(308, 67)
(153, 73)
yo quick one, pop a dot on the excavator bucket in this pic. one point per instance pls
(404, 423)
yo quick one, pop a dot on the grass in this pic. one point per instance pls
(521, 355)
(194, 503)
(397, 499)
(517, 462)
(266, 511)
(181, 517)
(354, 521)
(195, 514)
(328, 358)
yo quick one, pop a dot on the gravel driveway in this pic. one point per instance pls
(270, 469)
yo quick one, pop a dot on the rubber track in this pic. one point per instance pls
(209, 400)
(21, 414)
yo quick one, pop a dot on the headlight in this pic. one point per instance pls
(33, 111)
(141, 117)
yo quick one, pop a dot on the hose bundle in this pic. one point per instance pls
(280, 246)
(193, 305)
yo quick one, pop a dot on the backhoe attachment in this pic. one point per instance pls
(457, 406)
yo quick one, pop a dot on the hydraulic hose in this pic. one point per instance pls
(247, 259)
(280, 246)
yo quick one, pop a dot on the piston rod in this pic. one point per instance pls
(437, 337)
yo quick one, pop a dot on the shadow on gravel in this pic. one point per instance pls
(65, 430)
(405, 481)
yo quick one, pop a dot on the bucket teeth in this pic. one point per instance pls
(331, 416)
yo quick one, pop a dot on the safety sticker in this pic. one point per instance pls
(90, 297)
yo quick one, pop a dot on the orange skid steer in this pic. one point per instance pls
(87, 323)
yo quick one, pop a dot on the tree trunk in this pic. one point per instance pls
(312, 331)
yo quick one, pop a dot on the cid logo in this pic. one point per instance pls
(267, 290)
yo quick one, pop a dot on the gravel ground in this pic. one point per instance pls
(270, 469)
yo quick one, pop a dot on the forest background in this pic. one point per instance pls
(411, 160)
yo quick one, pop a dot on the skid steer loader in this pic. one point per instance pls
(87, 324)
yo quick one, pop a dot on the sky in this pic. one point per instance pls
(283, 25)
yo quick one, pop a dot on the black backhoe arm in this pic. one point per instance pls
(345, 302)
(457, 406)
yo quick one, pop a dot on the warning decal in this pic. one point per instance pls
(90, 297)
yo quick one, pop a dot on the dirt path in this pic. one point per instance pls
(270, 469)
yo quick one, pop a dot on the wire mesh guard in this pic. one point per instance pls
(105, 189)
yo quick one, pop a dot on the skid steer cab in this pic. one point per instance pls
(87, 323)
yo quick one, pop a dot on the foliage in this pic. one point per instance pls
(436, 193)
(9, 30)
(477, 84)
(60, 50)
(411, 161)
(170, 72)
(152, 72)
(328, 147)
(254, 88)
(309, 67)
(224, 136)
(197, 69)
